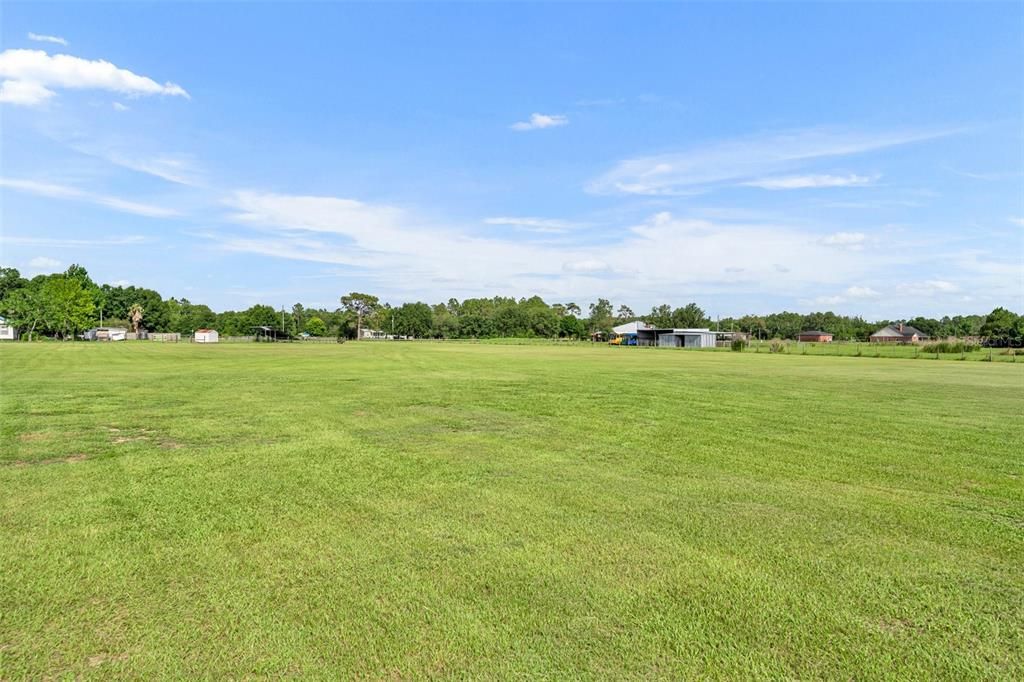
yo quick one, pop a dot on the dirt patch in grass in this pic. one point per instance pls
(97, 660)
(171, 444)
(33, 437)
(899, 626)
(129, 439)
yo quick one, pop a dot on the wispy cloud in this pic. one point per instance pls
(73, 243)
(119, 107)
(75, 194)
(588, 266)
(599, 102)
(544, 225)
(930, 287)
(846, 240)
(540, 121)
(44, 263)
(811, 181)
(398, 251)
(30, 77)
(40, 38)
(742, 160)
(178, 169)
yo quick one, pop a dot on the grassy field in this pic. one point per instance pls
(428, 510)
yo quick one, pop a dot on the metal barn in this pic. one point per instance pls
(676, 338)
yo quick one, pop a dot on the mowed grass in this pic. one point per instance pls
(428, 510)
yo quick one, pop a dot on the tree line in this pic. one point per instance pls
(63, 305)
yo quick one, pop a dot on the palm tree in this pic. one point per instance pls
(135, 315)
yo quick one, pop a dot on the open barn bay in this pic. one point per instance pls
(431, 509)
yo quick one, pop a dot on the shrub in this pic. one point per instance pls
(738, 345)
(777, 346)
(950, 347)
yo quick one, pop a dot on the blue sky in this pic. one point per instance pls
(861, 158)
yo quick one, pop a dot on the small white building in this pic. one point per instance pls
(7, 332)
(207, 336)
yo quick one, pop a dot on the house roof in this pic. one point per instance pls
(815, 332)
(894, 330)
(205, 331)
(630, 327)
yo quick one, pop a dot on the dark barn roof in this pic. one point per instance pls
(906, 331)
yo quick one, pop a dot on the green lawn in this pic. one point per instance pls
(429, 509)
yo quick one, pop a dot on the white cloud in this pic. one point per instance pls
(810, 181)
(853, 241)
(1019, 222)
(929, 287)
(738, 160)
(586, 267)
(44, 263)
(73, 193)
(180, 169)
(534, 224)
(73, 243)
(402, 256)
(39, 38)
(853, 292)
(177, 169)
(539, 121)
(25, 93)
(30, 76)
(861, 292)
(119, 107)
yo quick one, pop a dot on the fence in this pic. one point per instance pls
(883, 350)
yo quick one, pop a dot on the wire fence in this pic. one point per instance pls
(883, 350)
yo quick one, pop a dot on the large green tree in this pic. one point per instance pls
(413, 319)
(1003, 327)
(691, 316)
(25, 309)
(68, 305)
(10, 281)
(316, 327)
(360, 305)
(600, 319)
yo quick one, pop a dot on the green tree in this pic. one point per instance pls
(261, 316)
(413, 319)
(660, 317)
(691, 316)
(360, 305)
(299, 320)
(316, 327)
(10, 281)
(25, 309)
(1003, 327)
(600, 319)
(68, 305)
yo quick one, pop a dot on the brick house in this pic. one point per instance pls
(814, 337)
(898, 333)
